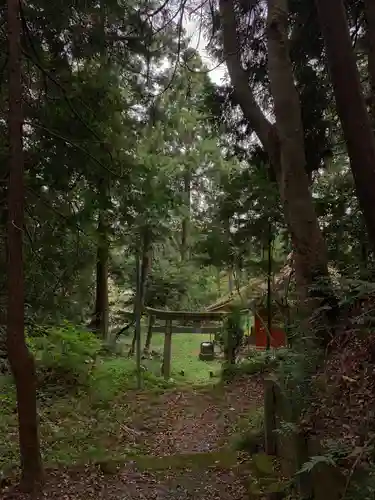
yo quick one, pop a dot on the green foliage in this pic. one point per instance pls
(232, 335)
(65, 355)
(7, 394)
(185, 358)
(314, 461)
(362, 484)
(258, 362)
(250, 433)
(96, 422)
(113, 127)
(180, 286)
(294, 370)
(357, 483)
(265, 478)
(112, 377)
(72, 430)
(343, 224)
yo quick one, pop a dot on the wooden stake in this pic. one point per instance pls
(167, 349)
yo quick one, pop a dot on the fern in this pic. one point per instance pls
(286, 428)
(308, 466)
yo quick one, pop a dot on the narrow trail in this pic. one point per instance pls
(184, 434)
(200, 420)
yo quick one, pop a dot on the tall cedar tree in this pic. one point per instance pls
(146, 257)
(370, 39)
(310, 255)
(20, 359)
(286, 156)
(351, 106)
(101, 312)
(186, 219)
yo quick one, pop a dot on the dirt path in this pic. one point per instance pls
(172, 428)
(200, 420)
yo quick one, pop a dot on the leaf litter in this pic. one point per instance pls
(184, 436)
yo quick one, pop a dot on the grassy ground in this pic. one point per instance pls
(185, 351)
(173, 440)
(83, 426)
(148, 446)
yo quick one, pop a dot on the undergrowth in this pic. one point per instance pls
(64, 356)
(86, 394)
(330, 395)
(186, 365)
(250, 432)
(112, 376)
(257, 362)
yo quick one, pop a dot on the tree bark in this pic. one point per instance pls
(230, 281)
(138, 327)
(151, 321)
(311, 254)
(145, 269)
(265, 131)
(370, 36)
(101, 312)
(20, 359)
(218, 280)
(351, 106)
(186, 219)
(287, 159)
(269, 286)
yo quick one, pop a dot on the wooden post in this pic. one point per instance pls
(138, 314)
(167, 349)
(269, 417)
(304, 480)
(269, 290)
(151, 321)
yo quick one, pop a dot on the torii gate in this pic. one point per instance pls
(169, 316)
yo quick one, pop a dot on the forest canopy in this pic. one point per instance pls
(133, 179)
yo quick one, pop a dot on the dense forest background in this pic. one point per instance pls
(130, 179)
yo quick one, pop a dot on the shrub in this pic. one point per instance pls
(115, 376)
(257, 363)
(232, 335)
(4, 365)
(64, 355)
(250, 437)
(7, 395)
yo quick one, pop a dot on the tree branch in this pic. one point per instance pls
(263, 128)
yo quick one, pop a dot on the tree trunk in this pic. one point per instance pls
(101, 313)
(230, 281)
(218, 281)
(186, 219)
(351, 106)
(20, 359)
(299, 212)
(269, 286)
(145, 269)
(138, 317)
(294, 183)
(151, 321)
(370, 35)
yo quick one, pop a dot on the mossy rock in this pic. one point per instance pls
(263, 464)
(225, 459)
(255, 490)
(206, 357)
(273, 487)
(111, 467)
(251, 441)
